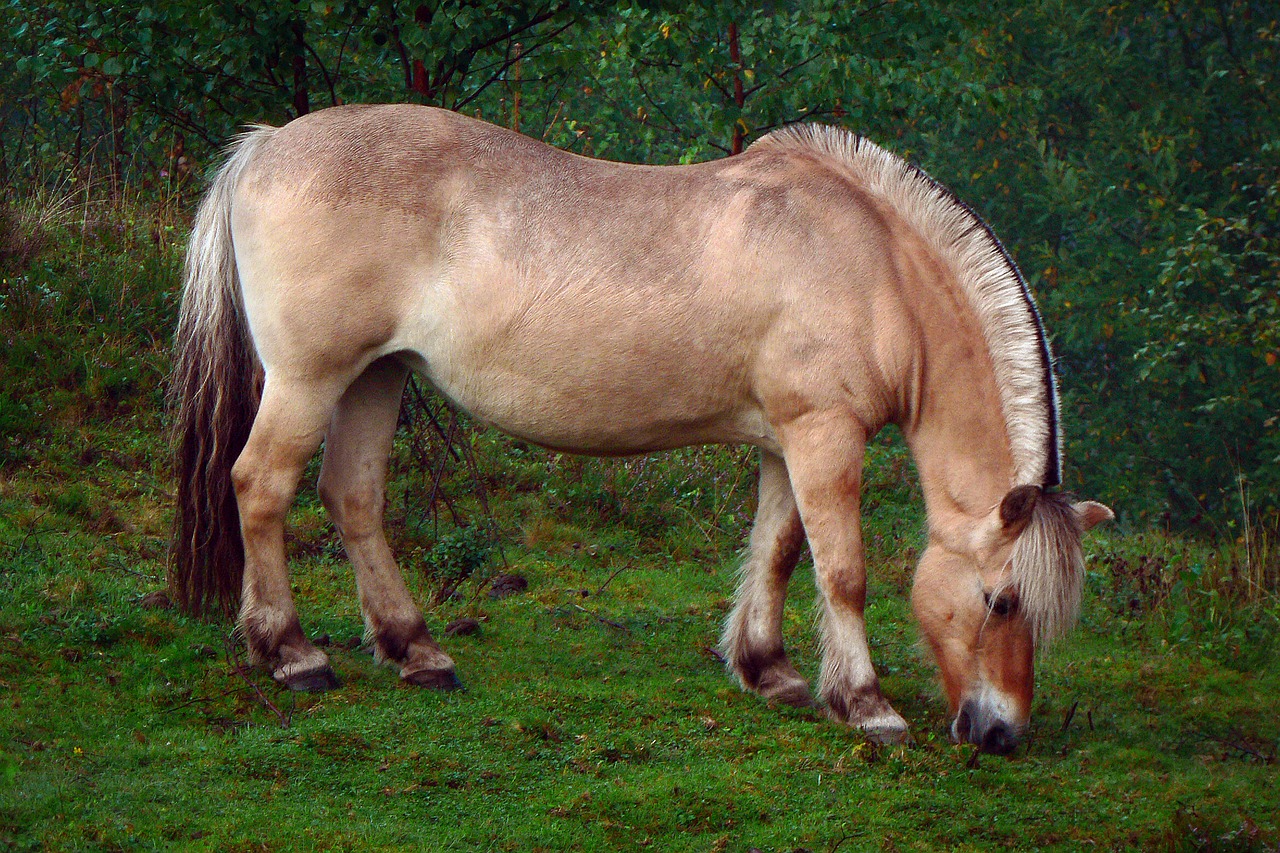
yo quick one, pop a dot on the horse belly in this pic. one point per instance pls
(574, 382)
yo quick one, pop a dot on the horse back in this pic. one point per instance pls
(582, 304)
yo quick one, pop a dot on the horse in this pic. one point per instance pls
(797, 297)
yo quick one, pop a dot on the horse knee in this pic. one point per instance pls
(356, 508)
(844, 588)
(262, 503)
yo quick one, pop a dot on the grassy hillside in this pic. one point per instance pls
(597, 716)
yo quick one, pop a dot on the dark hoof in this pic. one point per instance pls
(436, 679)
(796, 695)
(316, 681)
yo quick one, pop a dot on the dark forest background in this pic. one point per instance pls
(1126, 152)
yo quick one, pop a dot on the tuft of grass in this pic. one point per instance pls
(85, 316)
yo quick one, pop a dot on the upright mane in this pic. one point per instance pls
(992, 283)
(1047, 562)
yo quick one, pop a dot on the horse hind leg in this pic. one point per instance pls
(752, 642)
(352, 487)
(286, 432)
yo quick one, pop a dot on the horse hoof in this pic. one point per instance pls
(436, 679)
(315, 681)
(796, 695)
(886, 735)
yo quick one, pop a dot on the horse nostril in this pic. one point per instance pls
(999, 740)
(962, 728)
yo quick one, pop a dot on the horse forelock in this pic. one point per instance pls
(990, 280)
(1048, 568)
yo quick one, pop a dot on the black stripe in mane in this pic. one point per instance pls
(843, 143)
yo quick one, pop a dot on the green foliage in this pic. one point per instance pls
(1218, 360)
(458, 554)
(1125, 151)
(84, 324)
(1197, 602)
(147, 90)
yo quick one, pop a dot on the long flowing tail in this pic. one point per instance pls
(214, 393)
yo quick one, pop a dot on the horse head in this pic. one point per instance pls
(985, 602)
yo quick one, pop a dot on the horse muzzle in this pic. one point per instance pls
(978, 724)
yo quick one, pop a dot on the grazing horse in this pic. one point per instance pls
(797, 297)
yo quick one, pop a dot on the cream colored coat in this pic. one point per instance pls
(797, 297)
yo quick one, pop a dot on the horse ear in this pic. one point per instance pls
(1016, 508)
(1092, 513)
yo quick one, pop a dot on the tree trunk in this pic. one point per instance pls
(420, 80)
(301, 97)
(739, 97)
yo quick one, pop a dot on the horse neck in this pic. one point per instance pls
(955, 422)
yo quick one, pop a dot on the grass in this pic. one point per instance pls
(596, 716)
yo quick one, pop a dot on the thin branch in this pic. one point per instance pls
(324, 72)
(671, 123)
(342, 49)
(609, 579)
(233, 661)
(507, 63)
(530, 24)
(782, 75)
(1070, 715)
(403, 52)
(600, 618)
(200, 700)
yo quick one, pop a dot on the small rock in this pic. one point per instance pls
(462, 627)
(203, 651)
(506, 585)
(351, 644)
(158, 600)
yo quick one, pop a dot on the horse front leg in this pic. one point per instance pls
(353, 486)
(824, 456)
(752, 641)
(286, 432)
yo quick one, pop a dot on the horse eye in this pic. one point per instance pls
(1003, 605)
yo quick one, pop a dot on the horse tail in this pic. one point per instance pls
(213, 396)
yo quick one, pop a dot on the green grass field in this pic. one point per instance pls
(596, 715)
